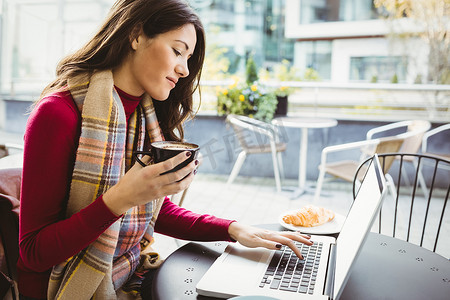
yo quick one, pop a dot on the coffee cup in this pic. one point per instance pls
(163, 150)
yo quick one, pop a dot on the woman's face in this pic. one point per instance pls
(156, 64)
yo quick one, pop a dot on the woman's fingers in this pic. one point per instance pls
(171, 163)
(178, 186)
(274, 240)
(297, 236)
(178, 175)
(255, 237)
(163, 168)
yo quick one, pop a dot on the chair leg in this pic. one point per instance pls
(183, 196)
(276, 169)
(237, 167)
(391, 185)
(319, 183)
(280, 166)
(421, 179)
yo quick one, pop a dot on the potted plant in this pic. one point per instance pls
(251, 98)
(281, 72)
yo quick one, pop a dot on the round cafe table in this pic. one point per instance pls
(387, 268)
(304, 124)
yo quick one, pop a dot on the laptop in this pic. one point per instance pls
(325, 269)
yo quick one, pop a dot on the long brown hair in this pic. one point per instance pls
(111, 44)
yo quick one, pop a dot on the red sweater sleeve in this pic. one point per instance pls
(46, 237)
(181, 223)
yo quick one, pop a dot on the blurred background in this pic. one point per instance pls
(362, 62)
(332, 50)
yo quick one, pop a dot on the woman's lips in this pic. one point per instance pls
(172, 81)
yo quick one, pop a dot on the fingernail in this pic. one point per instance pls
(278, 246)
(195, 171)
(188, 154)
(196, 162)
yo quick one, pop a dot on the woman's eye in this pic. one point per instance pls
(177, 53)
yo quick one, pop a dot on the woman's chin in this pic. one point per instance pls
(160, 97)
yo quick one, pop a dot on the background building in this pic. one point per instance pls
(347, 41)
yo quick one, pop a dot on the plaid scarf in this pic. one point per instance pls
(103, 156)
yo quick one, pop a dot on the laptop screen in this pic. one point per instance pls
(358, 222)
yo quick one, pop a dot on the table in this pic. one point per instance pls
(304, 124)
(387, 268)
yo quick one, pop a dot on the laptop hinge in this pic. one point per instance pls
(329, 283)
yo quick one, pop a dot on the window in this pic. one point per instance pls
(318, 11)
(37, 34)
(378, 68)
(276, 46)
(253, 15)
(315, 55)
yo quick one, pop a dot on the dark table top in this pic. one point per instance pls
(387, 268)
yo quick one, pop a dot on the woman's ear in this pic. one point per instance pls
(135, 43)
(134, 36)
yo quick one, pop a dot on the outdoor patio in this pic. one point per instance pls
(254, 200)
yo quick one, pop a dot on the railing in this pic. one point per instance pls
(351, 101)
(376, 101)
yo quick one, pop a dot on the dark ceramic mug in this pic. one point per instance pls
(161, 151)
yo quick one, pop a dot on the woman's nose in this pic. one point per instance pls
(182, 69)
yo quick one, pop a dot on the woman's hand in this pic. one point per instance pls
(143, 184)
(251, 237)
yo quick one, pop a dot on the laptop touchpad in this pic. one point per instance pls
(247, 254)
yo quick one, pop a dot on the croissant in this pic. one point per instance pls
(309, 216)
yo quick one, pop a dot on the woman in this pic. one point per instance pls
(87, 211)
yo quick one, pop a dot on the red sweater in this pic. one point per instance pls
(46, 237)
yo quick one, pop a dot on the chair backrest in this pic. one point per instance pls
(412, 144)
(9, 224)
(384, 145)
(438, 130)
(413, 214)
(243, 124)
(414, 131)
(389, 145)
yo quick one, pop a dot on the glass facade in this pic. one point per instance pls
(315, 55)
(246, 27)
(37, 34)
(276, 46)
(319, 11)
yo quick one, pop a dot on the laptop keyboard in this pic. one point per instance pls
(288, 273)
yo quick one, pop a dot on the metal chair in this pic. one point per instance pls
(242, 125)
(411, 144)
(420, 219)
(431, 134)
(408, 141)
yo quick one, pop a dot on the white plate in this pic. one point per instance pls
(334, 226)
